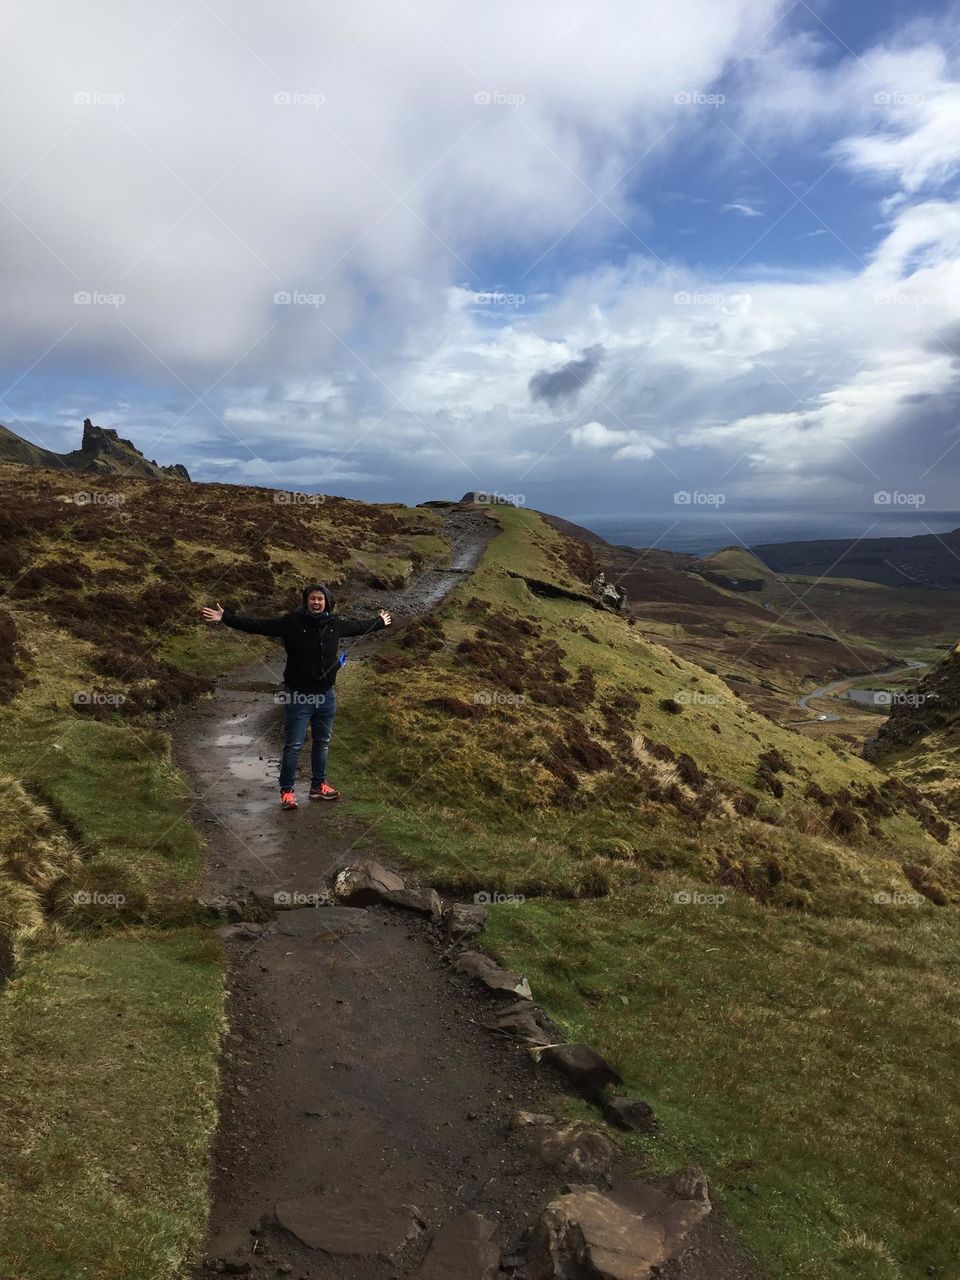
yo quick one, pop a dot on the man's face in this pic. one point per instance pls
(316, 602)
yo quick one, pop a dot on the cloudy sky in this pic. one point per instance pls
(592, 254)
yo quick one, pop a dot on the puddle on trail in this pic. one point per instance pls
(253, 769)
(261, 806)
(233, 740)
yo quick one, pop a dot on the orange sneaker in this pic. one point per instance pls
(324, 791)
(288, 800)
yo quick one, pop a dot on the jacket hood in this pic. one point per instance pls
(315, 586)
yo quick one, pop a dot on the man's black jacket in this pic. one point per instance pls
(311, 640)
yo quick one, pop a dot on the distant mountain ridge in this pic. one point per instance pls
(926, 560)
(101, 450)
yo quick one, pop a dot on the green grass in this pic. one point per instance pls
(109, 1031)
(466, 796)
(108, 1075)
(209, 650)
(809, 1059)
(798, 1038)
(108, 1035)
(737, 562)
(114, 789)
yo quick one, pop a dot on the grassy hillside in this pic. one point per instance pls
(117, 988)
(921, 740)
(551, 708)
(743, 919)
(759, 929)
(791, 636)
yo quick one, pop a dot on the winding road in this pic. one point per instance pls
(909, 664)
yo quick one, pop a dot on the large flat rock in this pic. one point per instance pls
(466, 1248)
(627, 1233)
(350, 1225)
(322, 922)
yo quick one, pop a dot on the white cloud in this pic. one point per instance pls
(635, 446)
(594, 435)
(151, 158)
(379, 210)
(744, 210)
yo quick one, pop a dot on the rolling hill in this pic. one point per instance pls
(758, 929)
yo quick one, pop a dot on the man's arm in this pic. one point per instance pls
(255, 626)
(364, 626)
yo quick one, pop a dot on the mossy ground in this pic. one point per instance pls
(108, 1078)
(772, 973)
(110, 1025)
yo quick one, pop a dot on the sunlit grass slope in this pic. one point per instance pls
(759, 930)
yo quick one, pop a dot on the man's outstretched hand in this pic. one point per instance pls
(216, 614)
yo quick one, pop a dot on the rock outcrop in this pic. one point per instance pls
(608, 595)
(102, 451)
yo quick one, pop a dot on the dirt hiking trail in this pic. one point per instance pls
(365, 1102)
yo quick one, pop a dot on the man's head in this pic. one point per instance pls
(317, 599)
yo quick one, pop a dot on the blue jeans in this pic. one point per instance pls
(300, 708)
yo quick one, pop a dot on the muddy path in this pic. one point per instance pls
(358, 1067)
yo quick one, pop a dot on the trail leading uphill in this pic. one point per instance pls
(363, 1092)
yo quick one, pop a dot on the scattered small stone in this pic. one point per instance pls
(630, 1113)
(427, 904)
(465, 920)
(476, 965)
(366, 882)
(524, 1119)
(583, 1066)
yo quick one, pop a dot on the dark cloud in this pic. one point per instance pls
(946, 339)
(556, 385)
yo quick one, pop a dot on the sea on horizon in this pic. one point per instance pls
(703, 532)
